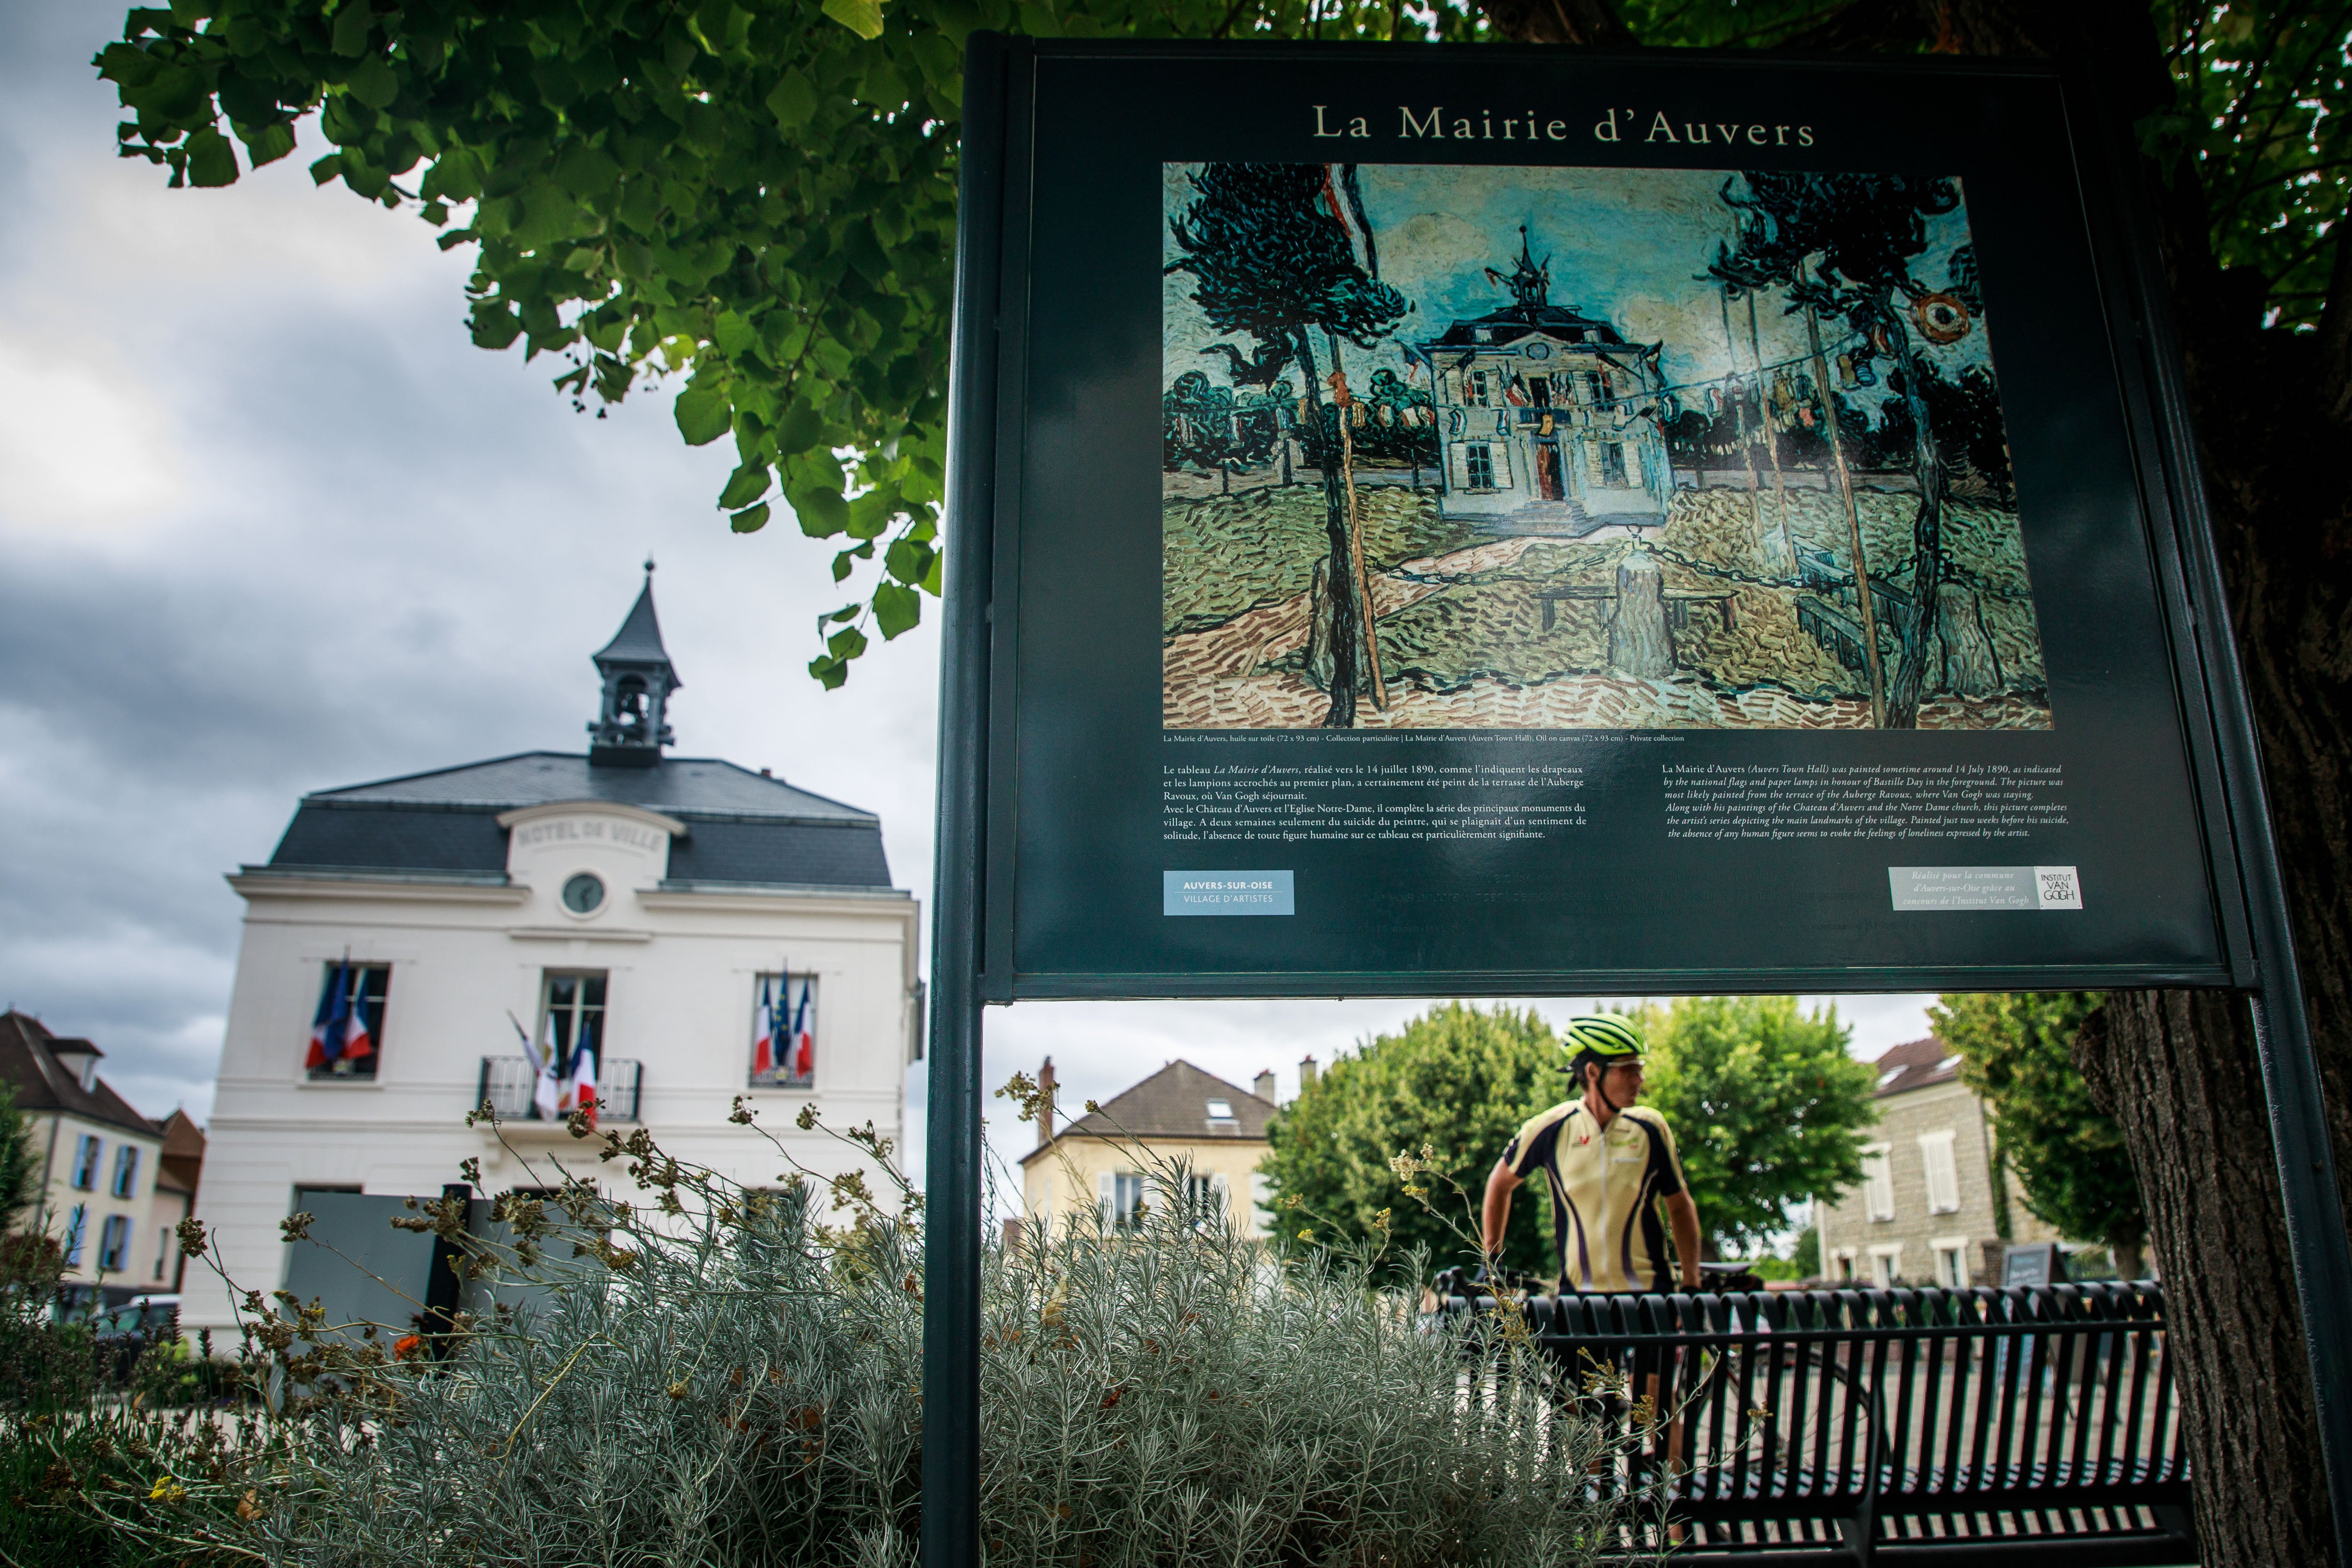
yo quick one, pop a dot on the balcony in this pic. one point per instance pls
(506, 1084)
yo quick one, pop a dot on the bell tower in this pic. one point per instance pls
(630, 729)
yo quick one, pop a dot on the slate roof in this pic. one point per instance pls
(1918, 1064)
(1517, 320)
(741, 826)
(28, 1059)
(1171, 1103)
(639, 640)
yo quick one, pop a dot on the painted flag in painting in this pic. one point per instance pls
(330, 1026)
(804, 1042)
(763, 1030)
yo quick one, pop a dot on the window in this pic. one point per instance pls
(783, 1031)
(1951, 1262)
(1877, 1183)
(1612, 463)
(1205, 1200)
(1845, 1266)
(114, 1244)
(1222, 1118)
(1539, 390)
(1886, 1265)
(1120, 1197)
(1478, 458)
(1478, 387)
(162, 1251)
(77, 1226)
(346, 1036)
(573, 1014)
(126, 1171)
(85, 1165)
(1943, 1178)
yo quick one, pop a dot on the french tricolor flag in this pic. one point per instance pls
(763, 1030)
(580, 1082)
(339, 1028)
(803, 1050)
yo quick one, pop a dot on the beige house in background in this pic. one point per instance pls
(1099, 1165)
(1928, 1211)
(98, 1196)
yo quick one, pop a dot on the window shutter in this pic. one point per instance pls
(1457, 465)
(1106, 1197)
(1502, 465)
(1877, 1183)
(1943, 1179)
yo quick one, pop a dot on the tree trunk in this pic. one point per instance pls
(1966, 664)
(2272, 410)
(2177, 1070)
(1918, 627)
(1340, 589)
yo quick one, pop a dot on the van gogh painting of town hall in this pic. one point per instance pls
(1543, 447)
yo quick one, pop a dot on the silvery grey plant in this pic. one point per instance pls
(699, 1374)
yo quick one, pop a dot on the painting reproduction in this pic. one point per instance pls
(1478, 448)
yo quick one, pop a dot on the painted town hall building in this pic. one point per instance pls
(413, 941)
(1547, 421)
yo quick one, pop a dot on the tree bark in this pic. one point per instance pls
(2177, 1071)
(2274, 415)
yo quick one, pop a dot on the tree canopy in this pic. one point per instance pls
(753, 202)
(1457, 1081)
(1765, 1104)
(2016, 1051)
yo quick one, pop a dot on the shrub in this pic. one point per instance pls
(713, 1377)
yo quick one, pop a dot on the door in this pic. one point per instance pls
(1548, 469)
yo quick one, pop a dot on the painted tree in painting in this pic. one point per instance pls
(1842, 246)
(1272, 257)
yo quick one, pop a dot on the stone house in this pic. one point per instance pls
(1102, 1163)
(1930, 1209)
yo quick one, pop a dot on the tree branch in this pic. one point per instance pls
(1587, 22)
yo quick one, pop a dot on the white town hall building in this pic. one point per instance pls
(639, 902)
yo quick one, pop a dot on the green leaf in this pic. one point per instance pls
(793, 101)
(352, 29)
(732, 333)
(862, 17)
(211, 161)
(822, 511)
(931, 578)
(829, 671)
(744, 486)
(265, 144)
(844, 563)
(847, 643)
(703, 415)
(750, 519)
(372, 81)
(896, 609)
(906, 561)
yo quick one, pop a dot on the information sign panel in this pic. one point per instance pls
(1767, 586)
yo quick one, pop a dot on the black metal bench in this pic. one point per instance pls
(2006, 1428)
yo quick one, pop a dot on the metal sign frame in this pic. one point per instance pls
(971, 938)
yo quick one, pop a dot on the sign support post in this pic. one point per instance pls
(952, 1152)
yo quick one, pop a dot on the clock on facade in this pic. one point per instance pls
(583, 893)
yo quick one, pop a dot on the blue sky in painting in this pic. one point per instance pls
(1625, 245)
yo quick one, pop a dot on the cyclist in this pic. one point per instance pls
(1611, 1164)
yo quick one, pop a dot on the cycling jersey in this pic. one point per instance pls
(1605, 1189)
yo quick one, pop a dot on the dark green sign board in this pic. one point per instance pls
(1482, 521)
(1595, 379)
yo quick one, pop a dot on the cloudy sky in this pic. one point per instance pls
(269, 523)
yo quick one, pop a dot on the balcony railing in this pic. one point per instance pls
(507, 1085)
